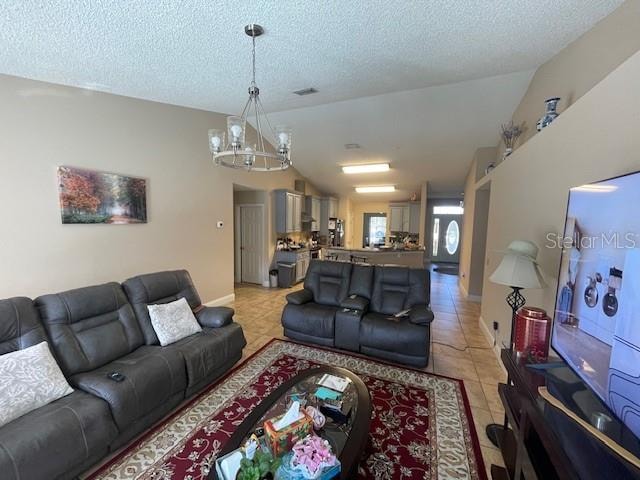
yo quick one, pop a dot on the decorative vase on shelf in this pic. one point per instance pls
(551, 114)
(489, 168)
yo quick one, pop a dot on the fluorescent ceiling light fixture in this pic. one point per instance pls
(369, 168)
(376, 189)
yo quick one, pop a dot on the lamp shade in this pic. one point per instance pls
(518, 267)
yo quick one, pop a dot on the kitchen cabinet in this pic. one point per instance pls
(328, 209)
(297, 213)
(404, 217)
(301, 258)
(288, 211)
(313, 208)
(302, 265)
(399, 217)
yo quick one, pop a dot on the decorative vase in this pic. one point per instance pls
(551, 114)
(507, 151)
(533, 331)
(489, 168)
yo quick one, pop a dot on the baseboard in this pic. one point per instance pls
(219, 302)
(471, 298)
(496, 348)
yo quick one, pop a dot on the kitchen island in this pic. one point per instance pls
(378, 256)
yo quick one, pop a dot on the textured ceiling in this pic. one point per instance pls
(427, 134)
(195, 53)
(362, 56)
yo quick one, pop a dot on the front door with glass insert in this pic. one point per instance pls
(446, 234)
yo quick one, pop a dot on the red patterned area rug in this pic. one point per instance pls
(421, 424)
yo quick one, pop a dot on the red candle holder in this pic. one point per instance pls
(533, 331)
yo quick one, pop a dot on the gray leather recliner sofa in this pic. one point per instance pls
(353, 307)
(94, 332)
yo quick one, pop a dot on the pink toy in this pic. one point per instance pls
(311, 455)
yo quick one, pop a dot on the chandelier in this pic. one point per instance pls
(236, 153)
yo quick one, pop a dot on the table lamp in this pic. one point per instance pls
(518, 270)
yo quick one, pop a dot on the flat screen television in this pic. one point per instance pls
(596, 326)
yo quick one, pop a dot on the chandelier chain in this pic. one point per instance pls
(253, 60)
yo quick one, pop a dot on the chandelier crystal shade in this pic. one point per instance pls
(230, 149)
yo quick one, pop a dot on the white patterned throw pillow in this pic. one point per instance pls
(29, 379)
(173, 321)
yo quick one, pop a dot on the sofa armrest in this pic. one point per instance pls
(300, 297)
(355, 302)
(420, 315)
(214, 317)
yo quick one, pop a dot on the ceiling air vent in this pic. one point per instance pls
(306, 91)
(352, 146)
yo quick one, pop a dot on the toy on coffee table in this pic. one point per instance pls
(311, 456)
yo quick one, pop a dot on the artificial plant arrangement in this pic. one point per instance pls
(510, 134)
(262, 465)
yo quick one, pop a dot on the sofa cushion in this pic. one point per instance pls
(20, 326)
(214, 317)
(328, 281)
(310, 318)
(399, 288)
(151, 376)
(155, 288)
(206, 352)
(173, 321)
(57, 438)
(361, 283)
(89, 327)
(379, 331)
(29, 379)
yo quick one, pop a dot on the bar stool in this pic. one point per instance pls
(358, 259)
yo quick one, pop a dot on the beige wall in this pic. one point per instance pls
(474, 230)
(345, 212)
(596, 138)
(45, 125)
(423, 232)
(467, 226)
(580, 66)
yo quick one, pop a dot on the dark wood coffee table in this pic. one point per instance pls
(347, 440)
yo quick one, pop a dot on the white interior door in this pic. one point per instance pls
(251, 243)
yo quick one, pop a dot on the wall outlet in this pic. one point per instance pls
(495, 326)
(220, 224)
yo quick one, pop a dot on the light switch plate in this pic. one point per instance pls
(220, 224)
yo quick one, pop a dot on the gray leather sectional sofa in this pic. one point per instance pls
(94, 332)
(353, 307)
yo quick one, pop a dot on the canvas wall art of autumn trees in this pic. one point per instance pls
(87, 196)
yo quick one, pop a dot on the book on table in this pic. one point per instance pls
(339, 384)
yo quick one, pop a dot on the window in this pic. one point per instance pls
(448, 210)
(452, 237)
(377, 230)
(435, 238)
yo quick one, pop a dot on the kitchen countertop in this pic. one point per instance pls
(377, 250)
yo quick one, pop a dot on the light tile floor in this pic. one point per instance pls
(459, 348)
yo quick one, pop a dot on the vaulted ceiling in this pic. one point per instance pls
(466, 64)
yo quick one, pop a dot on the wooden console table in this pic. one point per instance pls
(545, 444)
(530, 450)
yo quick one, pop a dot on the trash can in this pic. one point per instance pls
(286, 274)
(273, 278)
